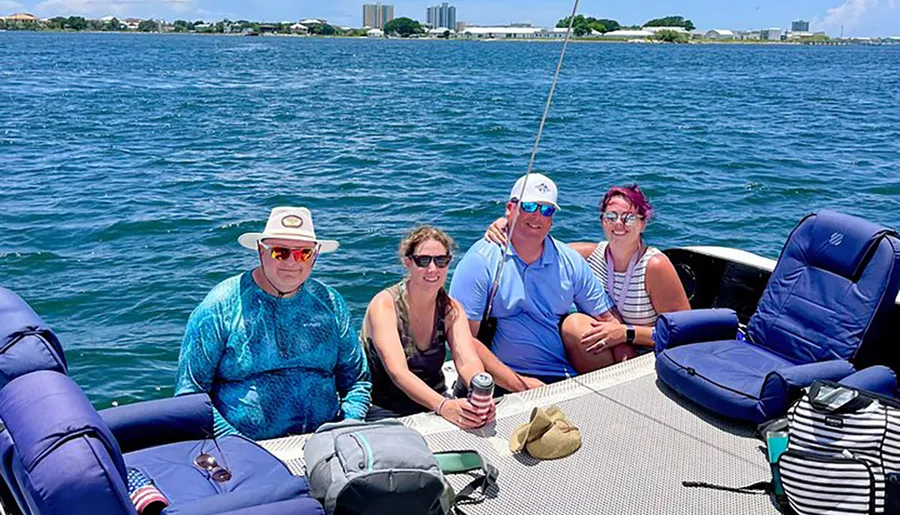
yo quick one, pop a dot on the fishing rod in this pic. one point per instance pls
(488, 325)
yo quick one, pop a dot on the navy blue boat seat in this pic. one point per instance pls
(59, 455)
(26, 343)
(876, 379)
(831, 291)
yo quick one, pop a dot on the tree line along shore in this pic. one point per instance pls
(669, 29)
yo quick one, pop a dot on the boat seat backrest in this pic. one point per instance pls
(26, 343)
(70, 461)
(836, 277)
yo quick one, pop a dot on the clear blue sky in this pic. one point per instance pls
(859, 17)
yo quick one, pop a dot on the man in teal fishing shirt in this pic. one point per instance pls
(274, 349)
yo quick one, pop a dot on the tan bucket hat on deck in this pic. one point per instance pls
(548, 435)
(288, 223)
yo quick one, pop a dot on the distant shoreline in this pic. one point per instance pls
(832, 42)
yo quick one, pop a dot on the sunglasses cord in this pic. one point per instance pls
(281, 294)
(537, 140)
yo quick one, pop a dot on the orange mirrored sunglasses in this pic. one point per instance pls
(283, 253)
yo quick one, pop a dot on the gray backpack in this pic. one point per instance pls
(384, 467)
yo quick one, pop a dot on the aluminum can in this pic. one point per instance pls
(481, 392)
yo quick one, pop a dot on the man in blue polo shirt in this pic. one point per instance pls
(540, 281)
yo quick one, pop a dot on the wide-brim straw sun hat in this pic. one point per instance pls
(288, 223)
(547, 435)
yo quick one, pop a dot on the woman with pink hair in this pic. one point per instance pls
(642, 285)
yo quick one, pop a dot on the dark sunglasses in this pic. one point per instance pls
(208, 463)
(629, 219)
(531, 207)
(283, 253)
(439, 261)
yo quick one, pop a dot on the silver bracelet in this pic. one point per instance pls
(437, 411)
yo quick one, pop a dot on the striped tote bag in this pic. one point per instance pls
(843, 454)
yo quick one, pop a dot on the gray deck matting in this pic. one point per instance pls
(639, 442)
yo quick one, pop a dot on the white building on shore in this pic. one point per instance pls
(800, 36)
(512, 32)
(627, 34)
(438, 32)
(773, 34)
(720, 34)
(770, 34)
(654, 30)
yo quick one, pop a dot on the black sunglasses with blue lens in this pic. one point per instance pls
(531, 207)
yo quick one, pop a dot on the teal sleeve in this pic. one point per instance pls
(352, 374)
(222, 427)
(201, 350)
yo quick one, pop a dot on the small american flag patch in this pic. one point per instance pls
(144, 494)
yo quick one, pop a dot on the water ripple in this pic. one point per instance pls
(131, 163)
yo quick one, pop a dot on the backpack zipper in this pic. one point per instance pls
(367, 450)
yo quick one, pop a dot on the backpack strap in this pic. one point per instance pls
(760, 487)
(460, 462)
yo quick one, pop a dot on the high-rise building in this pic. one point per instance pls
(377, 15)
(799, 26)
(443, 15)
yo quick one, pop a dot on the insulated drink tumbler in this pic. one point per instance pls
(481, 392)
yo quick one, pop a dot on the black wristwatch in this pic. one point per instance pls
(629, 333)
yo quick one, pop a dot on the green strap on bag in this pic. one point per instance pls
(461, 462)
(458, 462)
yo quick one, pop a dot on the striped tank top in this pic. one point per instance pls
(638, 310)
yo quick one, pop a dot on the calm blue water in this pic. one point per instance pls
(129, 164)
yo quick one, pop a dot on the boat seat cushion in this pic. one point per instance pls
(160, 421)
(59, 452)
(26, 343)
(876, 379)
(740, 380)
(830, 293)
(725, 376)
(838, 243)
(694, 326)
(836, 279)
(296, 506)
(257, 477)
(293, 494)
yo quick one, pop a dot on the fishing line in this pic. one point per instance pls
(537, 140)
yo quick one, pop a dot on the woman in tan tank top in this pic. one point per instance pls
(406, 331)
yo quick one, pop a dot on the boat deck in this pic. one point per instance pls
(639, 442)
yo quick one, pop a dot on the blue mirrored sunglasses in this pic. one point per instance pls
(531, 207)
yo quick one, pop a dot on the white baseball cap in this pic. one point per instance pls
(539, 188)
(288, 223)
